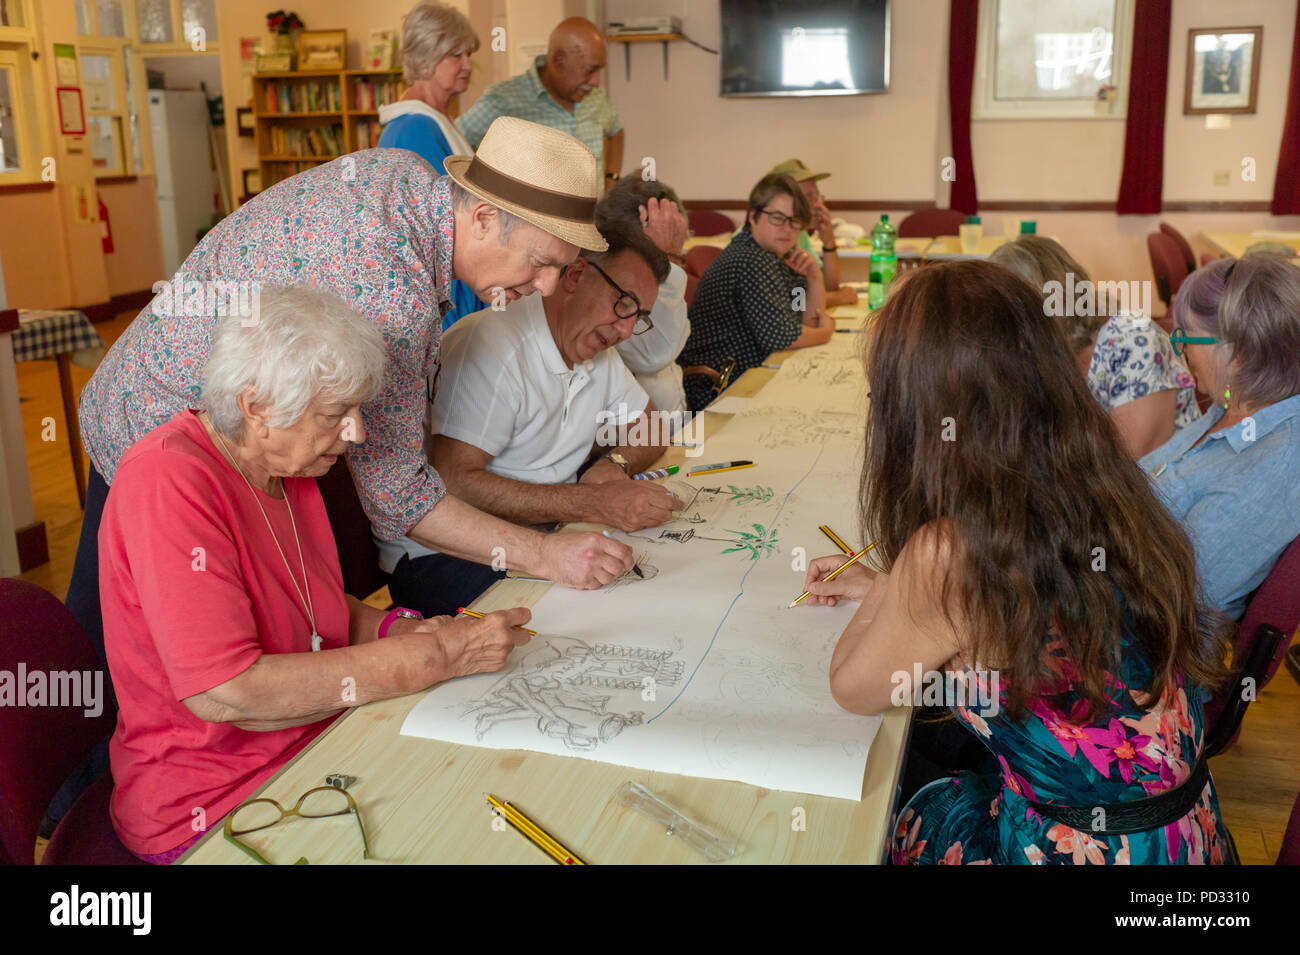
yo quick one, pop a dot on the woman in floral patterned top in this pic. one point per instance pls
(1074, 648)
(1127, 359)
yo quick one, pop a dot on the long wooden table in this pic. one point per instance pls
(422, 800)
(1234, 244)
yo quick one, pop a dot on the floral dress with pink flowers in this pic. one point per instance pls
(1052, 756)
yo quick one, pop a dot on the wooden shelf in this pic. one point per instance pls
(352, 128)
(299, 115)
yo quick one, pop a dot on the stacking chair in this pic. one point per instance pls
(927, 223)
(708, 222)
(1184, 247)
(700, 258)
(1168, 265)
(41, 745)
(1271, 618)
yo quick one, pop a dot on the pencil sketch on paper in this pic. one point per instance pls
(566, 687)
(795, 428)
(649, 571)
(826, 372)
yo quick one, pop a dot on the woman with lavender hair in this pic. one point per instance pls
(1230, 477)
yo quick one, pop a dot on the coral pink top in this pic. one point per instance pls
(194, 591)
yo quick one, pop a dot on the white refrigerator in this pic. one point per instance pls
(182, 162)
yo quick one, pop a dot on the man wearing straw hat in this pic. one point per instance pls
(383, 232)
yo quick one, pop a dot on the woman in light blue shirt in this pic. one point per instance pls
(1233, 477)
(437, 42)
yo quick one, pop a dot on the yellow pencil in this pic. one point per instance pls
(472, 613)
(534, 833)
(836, 572)
(835, 539)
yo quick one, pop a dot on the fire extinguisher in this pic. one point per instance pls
(105, 230)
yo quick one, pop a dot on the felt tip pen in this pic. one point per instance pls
(656, 474)
(724, 466)
(636, 568)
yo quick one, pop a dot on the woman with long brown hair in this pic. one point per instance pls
(1033, 577)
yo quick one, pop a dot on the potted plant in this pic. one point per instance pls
(283, 27)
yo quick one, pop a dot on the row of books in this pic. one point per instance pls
(318, 141)
(316, 97)
(370, 94)
(367, 134)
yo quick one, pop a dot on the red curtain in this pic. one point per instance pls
(963, 18)
(1286, 187)
(1144, 134)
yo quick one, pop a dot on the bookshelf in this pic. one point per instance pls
(306, 118)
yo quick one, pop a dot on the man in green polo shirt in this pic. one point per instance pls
(829, 259)
(560, 90)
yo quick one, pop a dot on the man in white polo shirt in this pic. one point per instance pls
(522, 397)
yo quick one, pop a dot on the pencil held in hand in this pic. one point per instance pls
(837, 571)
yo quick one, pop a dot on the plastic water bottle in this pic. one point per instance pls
(883, 261)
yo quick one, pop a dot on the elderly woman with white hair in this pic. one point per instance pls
(437, 42)
(1230, 477)
(230, 640)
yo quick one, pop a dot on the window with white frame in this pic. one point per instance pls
(22, 141)
(1052, 59)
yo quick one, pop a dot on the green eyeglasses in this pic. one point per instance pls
(318, 803)
(1179, 338)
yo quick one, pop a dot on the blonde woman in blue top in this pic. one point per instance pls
(437, 42)
(1233, 477)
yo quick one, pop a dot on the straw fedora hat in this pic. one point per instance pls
(542, 175)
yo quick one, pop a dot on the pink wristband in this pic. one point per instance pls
(392, 616)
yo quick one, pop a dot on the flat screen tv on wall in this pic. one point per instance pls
(804, 47)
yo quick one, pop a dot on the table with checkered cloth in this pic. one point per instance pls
(47, 333)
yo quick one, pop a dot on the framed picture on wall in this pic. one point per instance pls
(322, 49)
(1222, 70)
(245, 121)
(252, 182)
(72, 115)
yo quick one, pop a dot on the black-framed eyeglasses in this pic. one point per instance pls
(779, 219)
(628, 305)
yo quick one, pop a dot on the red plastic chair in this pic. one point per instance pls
(1255, 652)
(1184, 246)
(41, 745)
(1168, 265)
(700, 258)
(708, 222)
(928, 223)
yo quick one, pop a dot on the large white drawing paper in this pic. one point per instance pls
(701, 668)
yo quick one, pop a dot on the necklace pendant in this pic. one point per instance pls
(315, 641)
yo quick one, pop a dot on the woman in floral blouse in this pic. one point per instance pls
(1027, 562)
(1127, 359)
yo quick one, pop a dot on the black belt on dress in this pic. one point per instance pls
(1137, 815)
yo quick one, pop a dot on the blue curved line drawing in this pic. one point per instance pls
(739, 594)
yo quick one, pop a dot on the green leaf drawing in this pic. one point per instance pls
(763, 541)
(750, 495)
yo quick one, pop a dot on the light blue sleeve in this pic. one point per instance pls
(419, 134)
(474, 124)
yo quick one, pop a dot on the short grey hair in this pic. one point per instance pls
(301, 344)
(429, 32)
(462, 200)
(1258, 318)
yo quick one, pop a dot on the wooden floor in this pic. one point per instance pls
(1257, 780)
